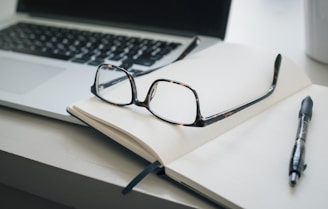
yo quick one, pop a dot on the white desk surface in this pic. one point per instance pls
(76, 166)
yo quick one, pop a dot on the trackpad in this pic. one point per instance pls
(19, 77)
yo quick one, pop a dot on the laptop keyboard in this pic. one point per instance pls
(85, 47)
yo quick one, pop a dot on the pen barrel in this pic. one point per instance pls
(297, 164)
(302, 127)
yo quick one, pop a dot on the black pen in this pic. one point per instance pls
(297, 165)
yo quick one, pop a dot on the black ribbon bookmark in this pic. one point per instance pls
(151, 167)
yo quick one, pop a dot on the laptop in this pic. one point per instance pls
(50, 49)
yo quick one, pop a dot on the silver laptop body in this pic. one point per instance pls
(45, 85)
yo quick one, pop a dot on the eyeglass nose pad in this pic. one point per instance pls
(153, 91)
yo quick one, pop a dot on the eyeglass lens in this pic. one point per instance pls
(167, 100)
(109, 78)
(173, 102)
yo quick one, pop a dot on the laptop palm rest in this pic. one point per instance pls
(19, 77)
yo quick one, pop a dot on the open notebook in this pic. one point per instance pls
(241, 161)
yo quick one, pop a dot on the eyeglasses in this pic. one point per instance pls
(168, 100)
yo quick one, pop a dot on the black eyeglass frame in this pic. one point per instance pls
(200, 121)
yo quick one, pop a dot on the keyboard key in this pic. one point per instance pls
(43, 54)
(96, 62)
(144, 61)
(80, 60)
(134, 71)
(126, 64)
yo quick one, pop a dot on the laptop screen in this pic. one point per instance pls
(205, 17)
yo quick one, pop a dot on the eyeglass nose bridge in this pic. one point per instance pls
(134, 99)
(149, 96)
(153, 91)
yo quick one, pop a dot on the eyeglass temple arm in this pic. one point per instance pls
(227, 113)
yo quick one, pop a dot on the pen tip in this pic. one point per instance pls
(293, 179)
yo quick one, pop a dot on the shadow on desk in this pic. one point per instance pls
(11, 198)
